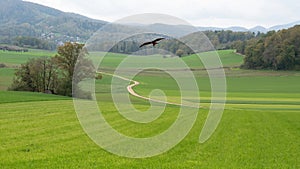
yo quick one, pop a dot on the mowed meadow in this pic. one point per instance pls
(260, 127)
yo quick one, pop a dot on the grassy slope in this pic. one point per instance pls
(15, 58)
(228, 58)
(259, 129)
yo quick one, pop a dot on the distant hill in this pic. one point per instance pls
(174, 30)
(255, 29)
(20, 18)
(259, 29)
(285, 26)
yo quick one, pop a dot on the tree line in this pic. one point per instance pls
(12, 48)
(225, 39)
(173, 46)
(32, 42)
(273, 50)
(55, 75)
(219, 39)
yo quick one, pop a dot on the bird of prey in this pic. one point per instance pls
(152, 42)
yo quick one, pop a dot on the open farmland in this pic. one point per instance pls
(260, 127)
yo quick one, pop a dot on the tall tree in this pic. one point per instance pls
(71, 55)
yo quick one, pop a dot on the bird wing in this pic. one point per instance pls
(146, 43)
(152, 42)
(158, 39)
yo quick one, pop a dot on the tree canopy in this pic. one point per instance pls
(274, 50)
(55, 74)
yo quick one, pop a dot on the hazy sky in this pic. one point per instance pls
(221, 13)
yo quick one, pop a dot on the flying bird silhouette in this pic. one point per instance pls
(152, 42)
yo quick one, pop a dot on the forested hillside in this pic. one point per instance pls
(20, 19)
(274, 50)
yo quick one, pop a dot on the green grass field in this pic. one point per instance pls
(228, 57)
(260, 127)
(15, 58)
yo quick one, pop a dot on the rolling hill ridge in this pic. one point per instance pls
(27, 19)
(20, 18)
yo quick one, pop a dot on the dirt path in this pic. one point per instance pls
(132, 92)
